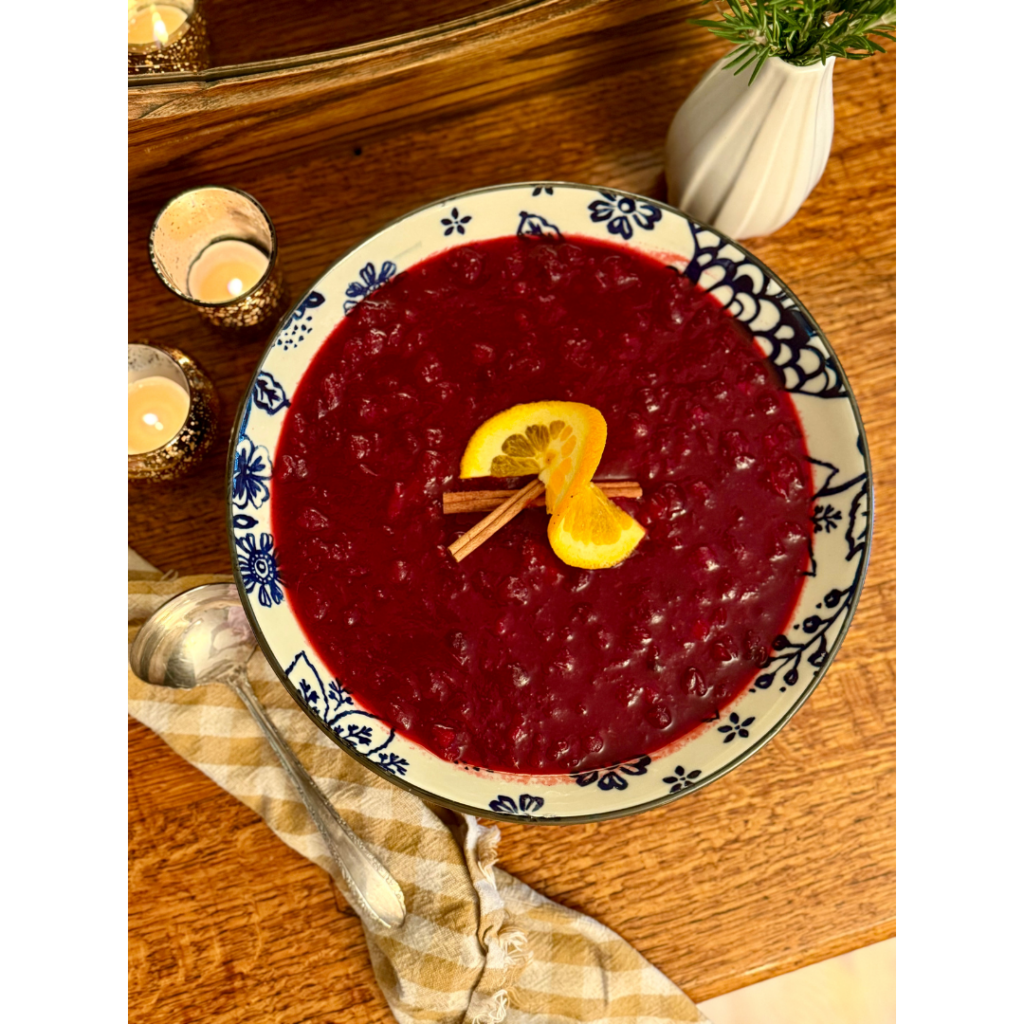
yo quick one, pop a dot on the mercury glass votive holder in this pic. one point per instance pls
(156, 378)
(166, 35)
(215, 247)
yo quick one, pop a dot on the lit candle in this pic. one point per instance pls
(215, 247)
(153, 23)
(157, 410)
(225, 270)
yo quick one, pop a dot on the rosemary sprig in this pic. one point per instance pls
(801, 32)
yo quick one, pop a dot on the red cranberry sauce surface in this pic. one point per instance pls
(512, 660)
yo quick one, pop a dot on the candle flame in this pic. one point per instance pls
(159, 29)
(235, 286)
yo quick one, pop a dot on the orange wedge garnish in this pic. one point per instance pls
(592, 532)
(562, 443)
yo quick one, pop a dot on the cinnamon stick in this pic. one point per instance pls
(507, 510)
(484, 501)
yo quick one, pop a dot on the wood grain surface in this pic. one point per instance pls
(787, 860)
(246, 33)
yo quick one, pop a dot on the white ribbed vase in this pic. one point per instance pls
(742, 158)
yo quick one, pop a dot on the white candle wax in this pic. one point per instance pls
(226, 270)
(157, 410)
(153, 23)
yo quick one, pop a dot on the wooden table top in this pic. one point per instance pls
(785, 861)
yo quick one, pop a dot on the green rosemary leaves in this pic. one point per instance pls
(801, 32)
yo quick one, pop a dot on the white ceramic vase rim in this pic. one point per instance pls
(796, 68)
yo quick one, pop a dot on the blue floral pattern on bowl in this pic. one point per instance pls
(735, 727)
(507, 804)
(335, 708)
(455, 222)
(370, 279)
(622, 212)
(681, 778)
(840, 513)
(534, 225)
(755, 298)
(251, 481)
(297, 326)
(257, 566)
(268, 394)
(615, 776)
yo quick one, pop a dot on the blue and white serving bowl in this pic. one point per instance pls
(842, 509)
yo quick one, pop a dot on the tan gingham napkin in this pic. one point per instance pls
(478, 946)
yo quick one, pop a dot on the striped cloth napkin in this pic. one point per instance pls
(478, 946)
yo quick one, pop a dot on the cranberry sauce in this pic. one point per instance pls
(513, 660)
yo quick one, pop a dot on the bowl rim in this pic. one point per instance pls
(666, 798)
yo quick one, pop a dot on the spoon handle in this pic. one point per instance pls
(373, 888)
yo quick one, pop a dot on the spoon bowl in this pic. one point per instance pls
(193, 639)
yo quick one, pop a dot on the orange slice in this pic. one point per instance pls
(592, 532)
(562, 442)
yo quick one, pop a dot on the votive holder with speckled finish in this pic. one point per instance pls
(196, 435)
(187, 48)
(193, 221)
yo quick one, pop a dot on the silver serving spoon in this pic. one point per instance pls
(202, 636)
